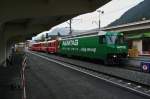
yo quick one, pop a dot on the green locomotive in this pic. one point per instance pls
(106, 46)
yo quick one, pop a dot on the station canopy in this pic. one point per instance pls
(138, 36)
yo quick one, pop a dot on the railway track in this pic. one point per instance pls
(60, 58)
(129, 85)
(95, 62)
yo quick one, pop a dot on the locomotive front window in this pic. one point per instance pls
(114, 39)
(110, 39)
(120, 40)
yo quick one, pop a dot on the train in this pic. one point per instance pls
(109, 47)
(46, 46)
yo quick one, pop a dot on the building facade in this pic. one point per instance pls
(141, 42)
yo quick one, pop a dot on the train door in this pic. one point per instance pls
(102, 49)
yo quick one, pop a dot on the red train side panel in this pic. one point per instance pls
(52, 46)
(36, 47)
(44, 46)
(47, 46)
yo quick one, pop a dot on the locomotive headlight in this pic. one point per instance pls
(114, 56)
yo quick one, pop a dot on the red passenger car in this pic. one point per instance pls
(36, 47)
(44, 46)
(52, 46)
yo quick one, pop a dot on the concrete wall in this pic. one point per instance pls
(2, 49)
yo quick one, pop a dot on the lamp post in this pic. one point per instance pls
(70, 25)
(100, 12)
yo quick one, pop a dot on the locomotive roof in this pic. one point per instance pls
(88, 33)
(52, 41)
(93, 33)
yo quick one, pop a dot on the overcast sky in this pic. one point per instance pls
(112, 11)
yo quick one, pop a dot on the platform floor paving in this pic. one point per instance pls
(10, 79)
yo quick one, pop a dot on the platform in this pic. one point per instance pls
(46, 79)
(10, 79)
(136, 61)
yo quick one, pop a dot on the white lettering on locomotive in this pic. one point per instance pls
(70, 43)
(88, 50)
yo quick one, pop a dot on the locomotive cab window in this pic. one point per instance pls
(114, 39)
(120, 40)
(102, 39)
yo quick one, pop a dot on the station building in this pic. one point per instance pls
(135, 24)
(140, 41)
(137, 35)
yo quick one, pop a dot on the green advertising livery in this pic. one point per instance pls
(106, 46)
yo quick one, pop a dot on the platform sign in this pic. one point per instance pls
(145, 66)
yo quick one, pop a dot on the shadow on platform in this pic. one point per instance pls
(10, 79)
